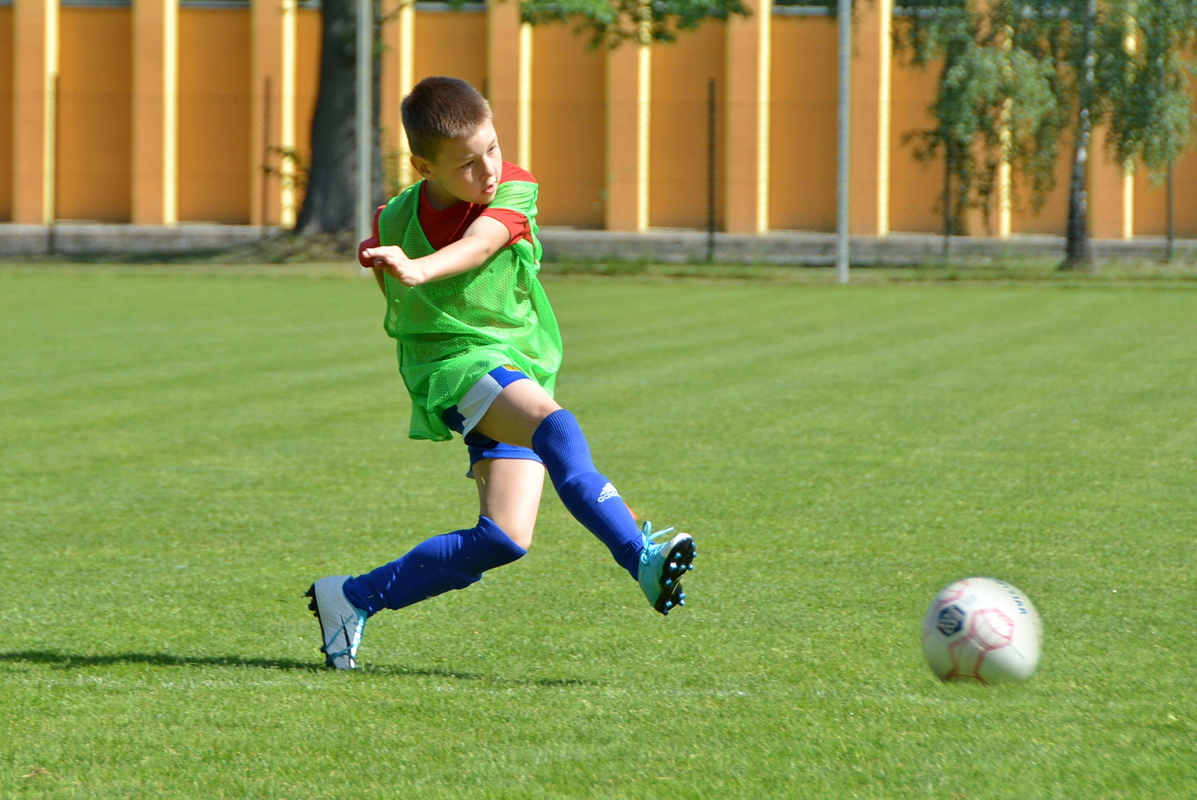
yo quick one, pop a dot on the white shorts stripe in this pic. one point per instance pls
(477, 402)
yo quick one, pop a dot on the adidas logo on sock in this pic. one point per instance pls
(607, 493)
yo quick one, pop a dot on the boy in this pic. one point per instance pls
(456, 256)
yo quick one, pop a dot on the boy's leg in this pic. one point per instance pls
(434, 566)
(509, 497)
(509, 493)
(524, 414)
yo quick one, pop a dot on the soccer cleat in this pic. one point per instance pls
(341, 624)
(662, 565)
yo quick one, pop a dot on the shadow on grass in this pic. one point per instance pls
(65, 661)
(73, 660)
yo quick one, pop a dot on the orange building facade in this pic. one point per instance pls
(157, 112)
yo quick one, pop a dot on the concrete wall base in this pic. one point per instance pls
(663, 245)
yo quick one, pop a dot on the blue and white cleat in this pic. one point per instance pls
(662, 566)
(341, 624)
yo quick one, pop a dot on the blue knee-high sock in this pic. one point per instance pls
(588, 495)
(434, 566)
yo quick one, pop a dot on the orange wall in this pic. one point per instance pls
(681, 72)
(6, 120)
(214, 104)
(451, 43)
(914, 186)
(216, 161)
(95, 114)
(803, 123)
(307, 84)
(568, 129)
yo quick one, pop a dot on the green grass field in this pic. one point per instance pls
(183, 451)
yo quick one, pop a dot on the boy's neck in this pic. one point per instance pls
(437, 197)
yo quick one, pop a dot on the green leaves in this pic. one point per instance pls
(611, 22)
(1014, 79)
(1146, 82)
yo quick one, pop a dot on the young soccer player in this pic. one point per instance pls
(457, 256)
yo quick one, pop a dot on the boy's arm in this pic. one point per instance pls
(485, 237)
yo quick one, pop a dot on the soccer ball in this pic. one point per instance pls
(983, 630)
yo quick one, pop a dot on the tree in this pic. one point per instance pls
(330, 197)
(329, 202)
(1023, 77)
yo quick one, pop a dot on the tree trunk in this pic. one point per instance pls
(329, 202)
(1078, 252)
(1171, 213)
(949, 164)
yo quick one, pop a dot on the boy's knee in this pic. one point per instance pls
(491, 547)
(517, 527)
(521, 535)
(562, 446)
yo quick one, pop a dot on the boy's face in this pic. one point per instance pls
(466, 169)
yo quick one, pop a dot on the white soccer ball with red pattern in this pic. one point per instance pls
(982, 630)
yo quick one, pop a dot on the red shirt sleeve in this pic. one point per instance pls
(517, 224)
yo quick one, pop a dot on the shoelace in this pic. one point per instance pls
(649, 535)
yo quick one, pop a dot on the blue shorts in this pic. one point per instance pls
(477, 401)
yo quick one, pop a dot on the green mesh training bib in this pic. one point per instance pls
(451, 332)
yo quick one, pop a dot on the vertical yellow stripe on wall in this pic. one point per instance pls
(407, 71)
(50, 115)
(287, 210)
(524, 97)
(764, 87)
(170, 112)
(644, 79)
(1003, 175)
(884, 100)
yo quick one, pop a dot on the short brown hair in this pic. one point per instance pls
(441, 108)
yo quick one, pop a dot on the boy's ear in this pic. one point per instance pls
(422, 166)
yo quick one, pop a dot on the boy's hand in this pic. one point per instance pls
(393, 261)
(482, 239)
